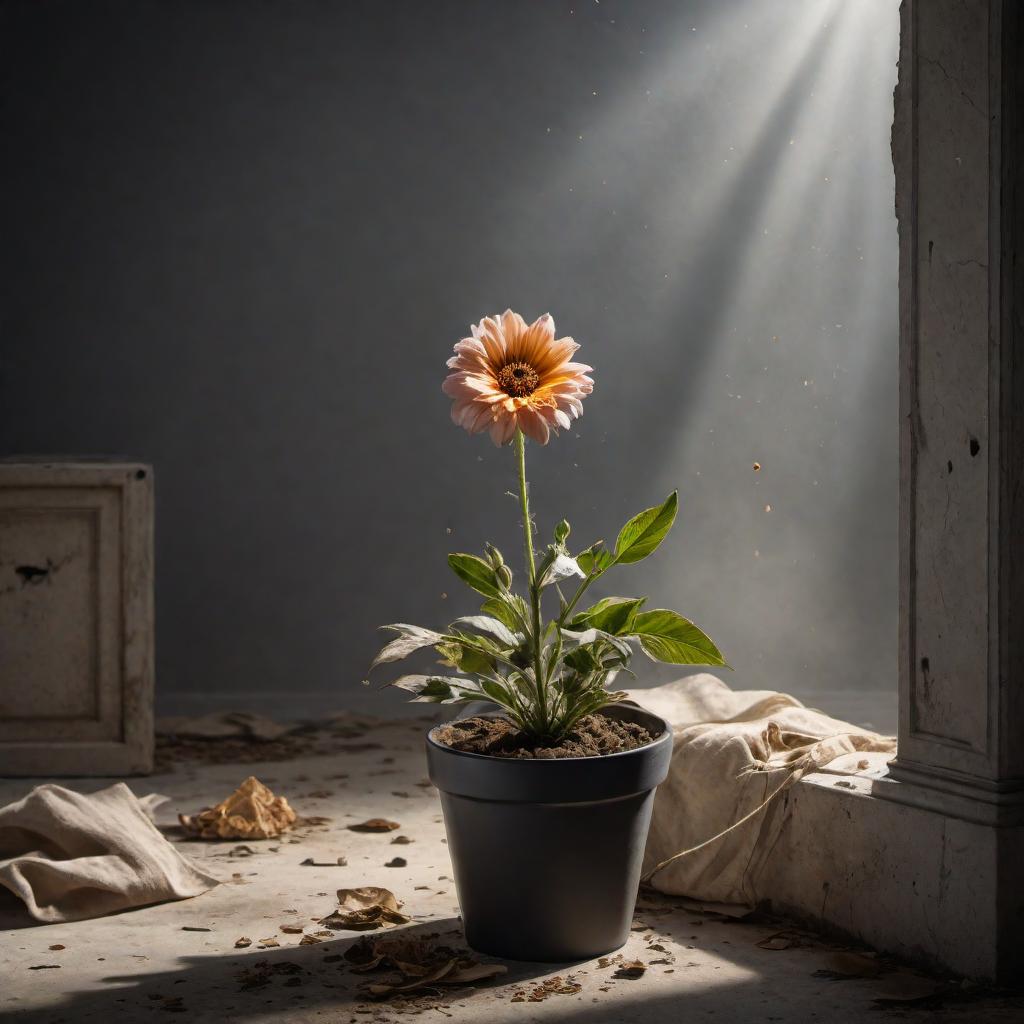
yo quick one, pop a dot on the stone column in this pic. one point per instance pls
(958, 150)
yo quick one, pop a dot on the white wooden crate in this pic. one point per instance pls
(76, 618)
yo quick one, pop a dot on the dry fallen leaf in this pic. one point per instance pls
(291, 929)
(370, 906)
(251, 812)
(375, 825)
(57, 946)
(402, 841)
(243, 943)
(269, 943)
(631, 969)
(396, 862)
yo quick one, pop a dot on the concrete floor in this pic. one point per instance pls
(142, 964)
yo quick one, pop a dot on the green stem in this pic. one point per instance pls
(531, 566)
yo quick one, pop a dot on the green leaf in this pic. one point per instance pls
(666, 636)
(492, 627)
(594, 557)
(467, 659)
(645, 531)
(562, 532)
(509, 609)
(611, 614)
(476, 573)
(412, 639)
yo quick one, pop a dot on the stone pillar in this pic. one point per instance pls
(958, 150)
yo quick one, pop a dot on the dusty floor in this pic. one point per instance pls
(181, 957)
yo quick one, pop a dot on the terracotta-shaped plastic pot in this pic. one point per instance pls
(547, 853)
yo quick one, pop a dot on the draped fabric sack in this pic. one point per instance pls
(732, 750)
(70, 856)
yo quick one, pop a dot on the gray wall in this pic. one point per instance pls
(239, 239)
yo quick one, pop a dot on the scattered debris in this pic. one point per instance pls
(420, 964)
(45, 967)
(367, 907)
(57, 946)
(556, 986)
(375, 825)
(402, 841)
(780, 940)
(396, 862)
(243, 943)
(310, 863)
(194, 928)
(291, 929)
(251, 812)
(262, 971)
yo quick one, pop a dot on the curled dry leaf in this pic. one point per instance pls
(291, 929)
(244, 942)
(57, 946)
(402, 841)
(396, 862)
(375, 825)
(269, 943)
(251, 812)
(370, 906)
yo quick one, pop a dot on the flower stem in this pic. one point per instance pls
(531, 565)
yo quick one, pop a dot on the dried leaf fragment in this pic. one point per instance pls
(57, 946)
(364, 908)
(291, 929)
(396, 862)
(251, 812)
(375, 825)
(243, 942)
(631, 969)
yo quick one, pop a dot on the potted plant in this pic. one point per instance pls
(546, 801)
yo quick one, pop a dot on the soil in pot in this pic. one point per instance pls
(592, 736)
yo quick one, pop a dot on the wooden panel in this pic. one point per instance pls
(76, 637)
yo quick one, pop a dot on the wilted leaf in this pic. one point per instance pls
(412, 639)
(645, 531)
(491, 626)
(666, 636)
(475, 573)
(438, 689)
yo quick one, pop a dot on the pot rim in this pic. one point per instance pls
(665, 736)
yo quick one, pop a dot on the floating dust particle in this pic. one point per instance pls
(767, 508)
(757, 467)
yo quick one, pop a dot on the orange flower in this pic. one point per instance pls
(511, 376)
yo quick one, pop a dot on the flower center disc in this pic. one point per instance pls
(518, 379)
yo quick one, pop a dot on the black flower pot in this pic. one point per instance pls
(547, 853)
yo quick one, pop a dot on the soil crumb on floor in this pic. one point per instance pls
(591, 736)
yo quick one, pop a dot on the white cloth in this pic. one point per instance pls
(71, 856)
(732, 750)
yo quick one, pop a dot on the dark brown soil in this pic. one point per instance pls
(590, 737)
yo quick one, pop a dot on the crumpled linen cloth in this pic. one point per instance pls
(71, 856)
(731, 750)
